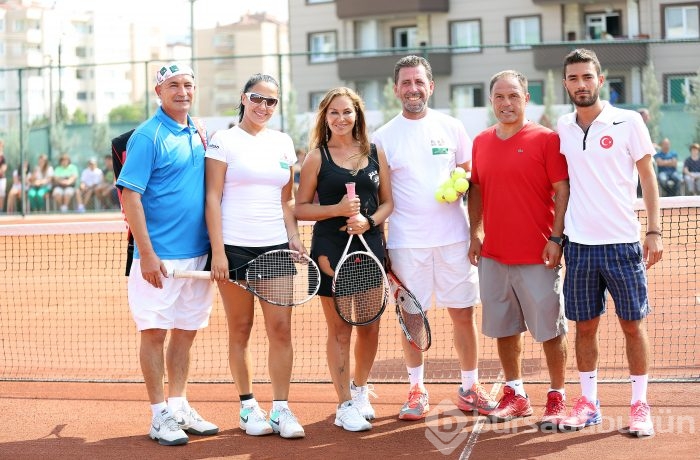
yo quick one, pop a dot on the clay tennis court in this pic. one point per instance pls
(71, 385)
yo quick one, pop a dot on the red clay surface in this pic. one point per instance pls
(110, 421)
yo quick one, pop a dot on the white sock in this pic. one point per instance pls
(158, 408)
(415, 375)
(280, 404)
(639, 388)
(589, 385)
(249, 403)
(518, 387)
(561, 391)
(469, 378)
(175, 403)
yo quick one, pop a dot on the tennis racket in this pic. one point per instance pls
(412, 319)
(360, 287)
(280, 277)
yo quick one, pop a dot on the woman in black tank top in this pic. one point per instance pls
(341, 153)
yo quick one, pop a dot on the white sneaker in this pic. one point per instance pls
(253, 421)
(350, 418)
(360, 399)
(191, 422)
(165, 429)
(286, 424)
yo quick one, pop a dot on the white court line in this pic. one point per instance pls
(474, 436)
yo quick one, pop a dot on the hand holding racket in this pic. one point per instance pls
(280, 277)
(360, 287)
(410, 314)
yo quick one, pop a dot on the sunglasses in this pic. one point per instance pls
(256, 98)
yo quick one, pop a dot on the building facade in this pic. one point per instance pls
(357, 42)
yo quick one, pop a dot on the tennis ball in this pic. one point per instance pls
(450, 194)
(439, 196)
(461, 185)
(458, 173)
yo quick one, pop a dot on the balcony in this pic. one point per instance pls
(614, 54)
(381, 66)
(346, 9)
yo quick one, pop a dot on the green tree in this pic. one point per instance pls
(101, 142)
(298, 133)
(59, 138)
(391, 106)
(549, 116)
(693, 105)
(127, 113)
(79, 117)
(652, 99)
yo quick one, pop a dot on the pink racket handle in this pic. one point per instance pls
(350, 187)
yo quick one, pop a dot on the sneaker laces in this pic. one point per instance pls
(194, 415)
(580, 404)
(506, 399)
(256, 413)
(640, 412)
(414, 396)
(481, 393)
(554, 405)
(170, 422)
(286, 414)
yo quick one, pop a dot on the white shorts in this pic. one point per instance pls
(3, 186)
(181, 304)
(63, 191)
(443, 271)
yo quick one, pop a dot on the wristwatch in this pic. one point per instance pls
(560, 240)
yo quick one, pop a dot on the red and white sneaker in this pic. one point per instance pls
(585, 413)
(510, 406)
(554, 411)
(417, 405)
(640, 420)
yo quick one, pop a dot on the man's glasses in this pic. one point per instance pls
(256, 98)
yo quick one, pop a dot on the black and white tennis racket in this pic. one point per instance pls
(360, 287)
(280, 277)
(410, 314)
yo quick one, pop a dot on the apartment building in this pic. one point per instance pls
(357, 42)
(228, 55)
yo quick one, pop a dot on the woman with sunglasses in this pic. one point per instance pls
(249, 211)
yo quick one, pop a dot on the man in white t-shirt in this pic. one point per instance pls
(607, 150)
(429, 240)
(90, 179)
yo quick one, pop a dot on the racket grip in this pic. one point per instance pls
(350, 187)
(196, 274)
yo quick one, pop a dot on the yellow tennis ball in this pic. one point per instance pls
(450, 195)
(439, 196)
(461, 185)
(458, 173)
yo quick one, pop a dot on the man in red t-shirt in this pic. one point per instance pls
(517, 201)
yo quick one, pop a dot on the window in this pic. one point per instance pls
(315, 99)
(523, 31)
(81, 74)
(536, 90)
(467, 96)
(616, 89)
(466, 35)
(81, 96)
(603, 25)
(405, 37)
(322, 47)
(681, 21)
(81, 51)
(678, 88)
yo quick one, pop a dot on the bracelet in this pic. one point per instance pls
(370, 220)
(653, 232)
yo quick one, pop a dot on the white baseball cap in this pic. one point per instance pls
(172, 70)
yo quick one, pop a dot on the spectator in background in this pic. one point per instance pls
(18, 186)
(666, 164)
(107, 192)
(3, 178)
(40, 183)
(691, 171)
(90, 179)
(65, 182)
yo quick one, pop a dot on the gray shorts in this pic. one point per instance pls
(516, 298)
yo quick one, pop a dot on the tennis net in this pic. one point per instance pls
(64, 315)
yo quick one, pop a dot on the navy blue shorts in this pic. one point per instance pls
(594, 270)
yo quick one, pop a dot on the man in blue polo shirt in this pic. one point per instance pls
(667, 165)
(162, 185)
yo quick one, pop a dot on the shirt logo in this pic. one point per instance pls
(618, 122)
(606, 142)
